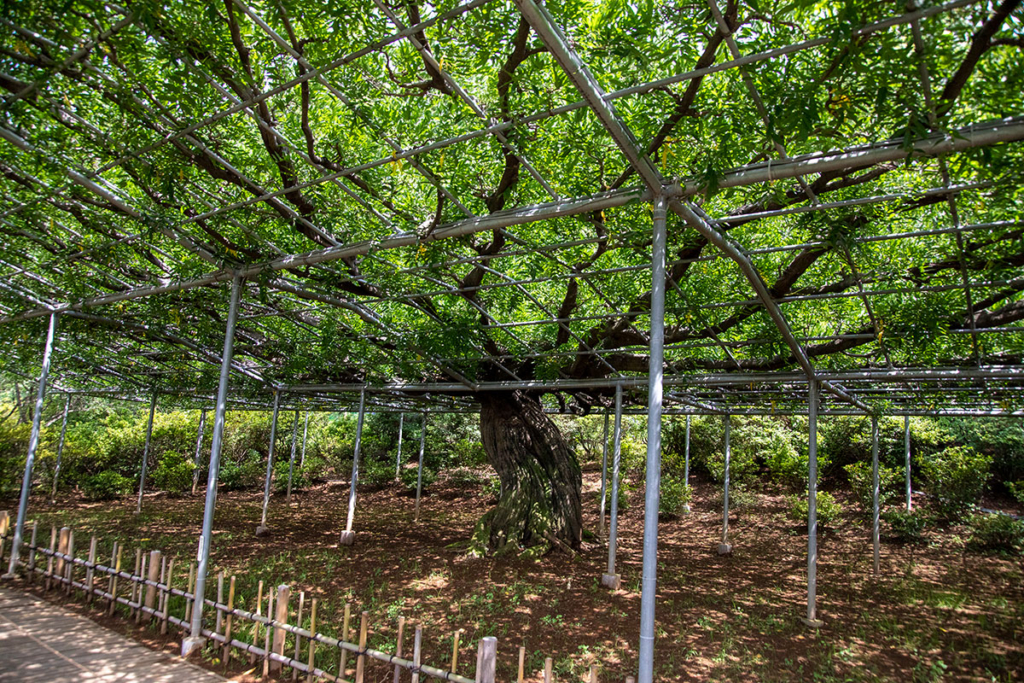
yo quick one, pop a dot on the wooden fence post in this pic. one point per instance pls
(62, 549)
(227, 621)
(346, 619)
(488, 659)
(69, 574)
(280, 617)
(167, 597)
(113, 578)
(154, 575)
(49, 559)
(312, 642)
(90, 571)
(361, 659)
(32, 553)
(398, 646)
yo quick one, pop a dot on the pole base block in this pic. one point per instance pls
(262, 531)
(725, 548)
(812, 623)
(611, 581)
(347, 537)
(9, 576)
(686, 508)
(190, 646)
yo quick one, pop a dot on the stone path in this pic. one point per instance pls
(41, 642)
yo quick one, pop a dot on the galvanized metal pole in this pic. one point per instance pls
(195, 639)
(199, 450)
(724, 547)
(906, 448)
(812, 503)
(654, 398)
(686, 465)
(419, 467)
(33, 445)
(348, 536)
(262, 528)
(145, 452)
(604, 471)
(874, 490)
(305, 433)
(291, 461)
(398, 458)
(60, 448)
(611, 579)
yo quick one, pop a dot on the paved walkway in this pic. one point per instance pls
(41, 642)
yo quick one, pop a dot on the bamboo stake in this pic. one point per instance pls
(312, 642)
(593, 673)
(62, 548)
(70, 574)
(266, 635)
(220, 601)
(344, 636)
(150, 592)
(298, 638)
(256, 624)
(417, 652)
(90, 571)
(455, 650)
(522, 664)
(134, 585)
(364, 623)
(167, 597)
(113, 579)
(280, 617)
(32, 553)
(189, 591)
(547, 669)
(398, 647)
(227, 622)
(139, 586)
(49, 560)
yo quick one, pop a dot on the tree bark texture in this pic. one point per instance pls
(541, 483)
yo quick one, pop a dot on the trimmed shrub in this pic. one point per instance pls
(377, 473)
(906, 527)
(828, 509)
(1016, 489)
(996, 532)
(464, 477)
(675, 496)
(107, 485)
(409, 475)
(956, 477)
(861, 483)
(174, 473)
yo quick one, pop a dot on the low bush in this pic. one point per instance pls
(996, 533)
(248, 472)
(377, 473)
(174, 473)
(675, 496)
(464, 477)
(906, 526)
(492, 488)
(1016, 489)
(862, 484)
(409, 475)
(828, 509)
(107, 485)
(956, 477)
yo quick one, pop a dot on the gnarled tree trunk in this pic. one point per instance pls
(540, 479)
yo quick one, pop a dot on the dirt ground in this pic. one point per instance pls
(936, 611)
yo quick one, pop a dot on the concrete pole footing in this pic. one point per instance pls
(190, 645)
(812, 623)
(348, 537)
(725, 548)
(262, 531)
(611, 581)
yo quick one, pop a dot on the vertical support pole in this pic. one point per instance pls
(874, 490)
(69, 574)
(364, 624)
(60, 448)
(62, 548)
(167, 598)
(32, 552)
(262, 528)
(348, 536)
(305, 433)
(90, 571)
(906, 448)
(398, 649)
(419, 466)
(724, 548)
(398, 458)
(226, 656)
(610, 578)
(312, 643)
(199, 450)
(686, 465)
(145, 451)
(812, 504)
(195, 639)
(291, 460)
(654, 396)
(33, 445)
(488, 659)
(417, 653)
(604, 472)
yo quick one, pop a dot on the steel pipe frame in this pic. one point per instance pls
(354, 479)
(33, 445)
(60, 447)
(725, 480)
(604, 471)
(398, 458)
(270, 458)
(195, 639)
(419, 467)
(305, 433)
(875, 494)
(199, 448)
(613, 522)
(906, 444)
(812, 504)
(145, 452)
(291, 460)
